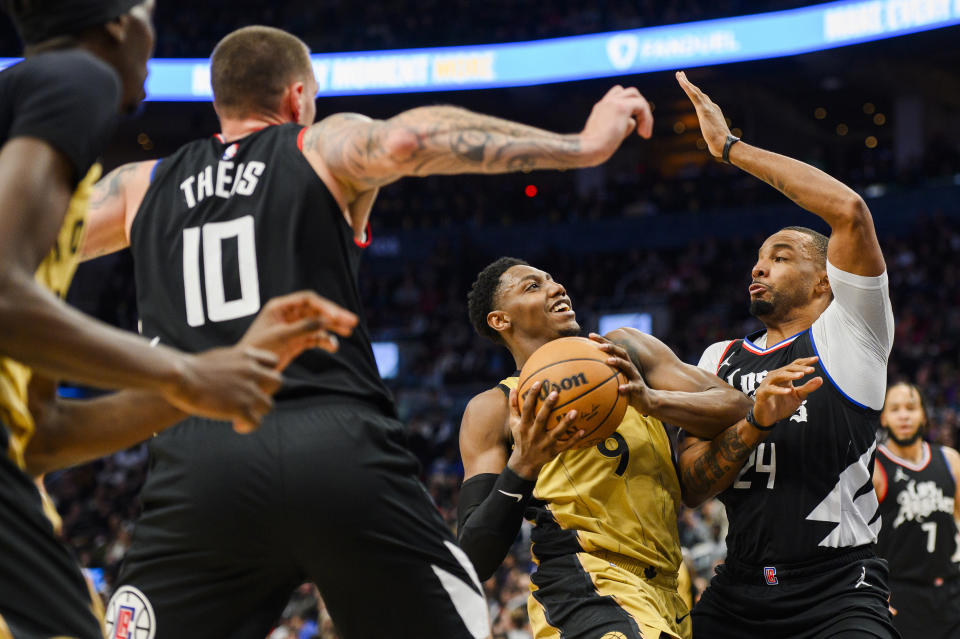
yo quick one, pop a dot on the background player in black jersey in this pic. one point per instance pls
(605, 517)
(916, 483)
(293, 201)
(803, 518)
(86, 60)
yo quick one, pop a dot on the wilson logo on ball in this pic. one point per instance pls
(564, 384)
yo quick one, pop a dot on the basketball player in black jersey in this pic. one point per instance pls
(919, 492)
(85, 61)
(326, 490)
(605, 517)
(803, 518)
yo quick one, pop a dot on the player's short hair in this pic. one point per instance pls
(817, 240)
(482, 298)
(251, 67)
(40, 20)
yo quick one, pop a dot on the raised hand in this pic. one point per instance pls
(777, 398)
(533, 444)
(713, 126)
(288, 325)
(640, 396)
(613, 118)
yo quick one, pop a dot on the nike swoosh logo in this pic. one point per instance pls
(680, 619)
(514, 495)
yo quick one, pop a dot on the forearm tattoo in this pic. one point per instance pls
(438, 140)
(724, 455)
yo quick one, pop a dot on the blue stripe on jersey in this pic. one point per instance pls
(153, 171)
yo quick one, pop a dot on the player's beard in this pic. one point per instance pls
(761, 308)
(903, 443)
(570, 332)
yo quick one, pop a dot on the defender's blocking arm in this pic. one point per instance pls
(708, 467)
(660, 385)
(113, 205)
(364, 154)
(853, 246)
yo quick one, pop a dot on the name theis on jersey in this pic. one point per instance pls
(228, 181)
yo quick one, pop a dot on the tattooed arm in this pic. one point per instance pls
(361, 154)
(708, 467)
(113, 205)
(853, 243)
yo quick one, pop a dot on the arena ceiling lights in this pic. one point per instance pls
(616, 53)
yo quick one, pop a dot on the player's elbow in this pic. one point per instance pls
(400, 144)
(855, 211)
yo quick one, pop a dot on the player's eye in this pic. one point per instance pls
(532, 286)
(779, 258)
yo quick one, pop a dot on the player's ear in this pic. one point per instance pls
(498, 321)
(823, 285)
(294, 99)
(116, 29)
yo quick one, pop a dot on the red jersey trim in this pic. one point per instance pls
(724, 354)
(364, 244)
(909, 465)
(220, 138)
(300, 135)
(756, 350)
(886, 483)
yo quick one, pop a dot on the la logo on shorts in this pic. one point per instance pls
(770, 574)
(130, 615)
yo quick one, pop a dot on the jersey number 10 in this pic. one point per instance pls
(212, 235)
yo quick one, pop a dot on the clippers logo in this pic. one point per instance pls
(230, 152)
(130, 615)
(770, 574)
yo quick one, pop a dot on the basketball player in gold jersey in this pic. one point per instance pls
(85, 61)
(605, 518)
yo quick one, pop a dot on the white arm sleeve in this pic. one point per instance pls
(853, 337)
(710, 360)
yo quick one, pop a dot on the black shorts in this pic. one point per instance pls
(926, 611)
(844, 597)
(42, 591)
(322, 492)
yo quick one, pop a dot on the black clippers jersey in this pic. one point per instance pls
(806, 492)
(919, 533)
(223, 228)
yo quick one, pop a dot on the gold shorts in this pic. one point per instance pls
(604, 596)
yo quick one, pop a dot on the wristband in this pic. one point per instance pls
(731, 140)
(513, 485)
(750, 419)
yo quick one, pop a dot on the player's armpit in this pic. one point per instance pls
(113, 205)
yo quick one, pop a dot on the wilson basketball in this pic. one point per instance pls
(577, 369)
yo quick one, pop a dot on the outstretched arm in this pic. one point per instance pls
(363, 154)
(708, 467)
(659, 384)
(70, 432)
(114, 202)
(853, 246)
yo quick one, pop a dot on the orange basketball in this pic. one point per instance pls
(577, 369)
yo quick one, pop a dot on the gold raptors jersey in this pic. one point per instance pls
(54, 273)
(618, 497)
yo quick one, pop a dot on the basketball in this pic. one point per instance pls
(577, 369)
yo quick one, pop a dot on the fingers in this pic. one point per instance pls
(530, 401)
(308, 304)
(262, 357)
(540, 422)
(252, 414)
(809, 387)
(514, 401)
(688, 87)
(804, 361)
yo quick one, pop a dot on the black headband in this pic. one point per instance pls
(39, 20)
